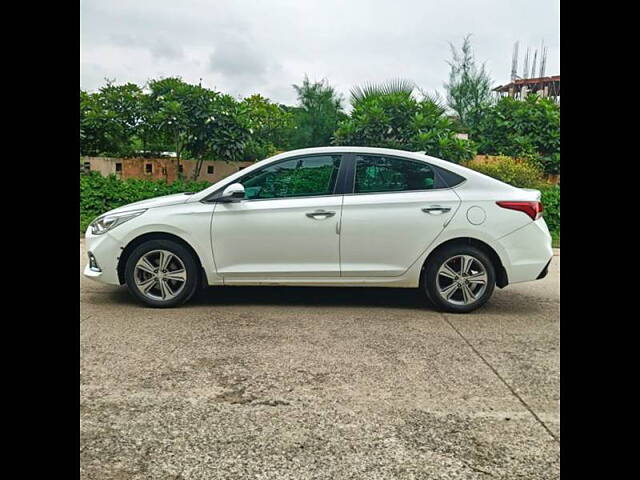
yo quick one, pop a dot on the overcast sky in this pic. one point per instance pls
(243, 47)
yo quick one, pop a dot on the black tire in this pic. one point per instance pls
(430, 279)
(184, 255)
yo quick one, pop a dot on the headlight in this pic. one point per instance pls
(108, 222)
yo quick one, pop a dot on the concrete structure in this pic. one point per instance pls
(543, 86)
(160, 168)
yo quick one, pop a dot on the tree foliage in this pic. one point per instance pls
(269, 125)
(469, 86)
(394, 118)
(169, 114)
(317, 115)
(551, 202)
(169, 99)
(359, 93)
(522, 128)
(101, 131)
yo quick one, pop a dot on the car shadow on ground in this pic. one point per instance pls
(313, 296)
(366, 297)
(284, 296)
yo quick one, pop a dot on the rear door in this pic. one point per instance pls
(397, 208)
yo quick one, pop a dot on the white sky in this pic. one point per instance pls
(243, 47)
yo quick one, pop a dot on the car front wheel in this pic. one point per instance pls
(459, 278)
(161, 273)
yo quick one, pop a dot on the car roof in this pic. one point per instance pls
(355, 149)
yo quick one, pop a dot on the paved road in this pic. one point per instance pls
(279, 383)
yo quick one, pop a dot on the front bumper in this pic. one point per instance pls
(106, 251)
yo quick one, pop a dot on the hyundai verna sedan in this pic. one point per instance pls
(330, 216)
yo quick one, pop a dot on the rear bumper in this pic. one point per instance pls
(528, 252)
(544, 271)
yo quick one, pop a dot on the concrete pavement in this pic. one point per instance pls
(320, 383)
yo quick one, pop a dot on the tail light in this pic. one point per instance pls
(533, 209)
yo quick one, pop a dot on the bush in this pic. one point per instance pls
(550, 164)
(99, 194)
(519, 173)
(551, 202)
(521, 128)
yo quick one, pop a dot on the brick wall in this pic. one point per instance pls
(220, 169)
(151, 168)
(162, 168)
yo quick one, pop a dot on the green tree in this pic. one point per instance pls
(269, 125)
(317, 115)
(125, 103)
(469, 86)
(101, 131)
(389, 115)
(114, 120)
(224, 132)
(521, 128)
(199, 122)
(169, 99)
(149, 138)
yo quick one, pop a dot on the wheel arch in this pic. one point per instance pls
(502, 279)
(139, 240)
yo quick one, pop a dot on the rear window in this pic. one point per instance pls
(388, 174)
(379, 174)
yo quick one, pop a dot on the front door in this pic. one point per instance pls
(397, 209)
(287, 225)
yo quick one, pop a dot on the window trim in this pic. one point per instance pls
(337, 188)
(352, 172)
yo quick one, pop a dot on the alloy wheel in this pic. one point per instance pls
(461, 280)
(160, 275)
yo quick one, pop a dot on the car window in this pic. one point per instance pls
(299, 177)
(384, 174)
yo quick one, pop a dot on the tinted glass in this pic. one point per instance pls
(449, 178)
(382, 174)
(299, 177)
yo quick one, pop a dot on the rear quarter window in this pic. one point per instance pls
(447, 177)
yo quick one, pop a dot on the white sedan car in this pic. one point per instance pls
(330, 216)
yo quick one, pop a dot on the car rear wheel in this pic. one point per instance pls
(161, 273)
(459, 278)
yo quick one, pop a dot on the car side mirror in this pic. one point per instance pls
(233, 193)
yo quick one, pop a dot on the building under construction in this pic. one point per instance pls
(522, 85)
(542, 86)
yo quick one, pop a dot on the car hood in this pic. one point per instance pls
(152, 203)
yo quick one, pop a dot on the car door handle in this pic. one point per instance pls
(320, 213)
(436, 209)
